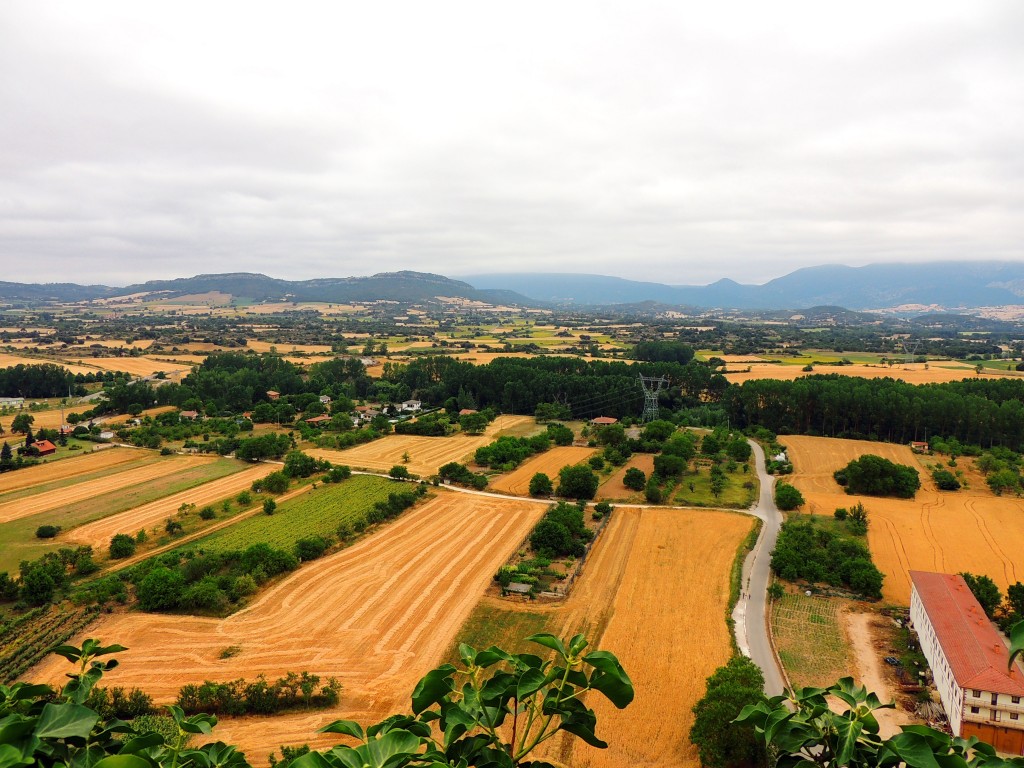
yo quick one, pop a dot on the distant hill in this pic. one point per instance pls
(388, 286)
(875, 286)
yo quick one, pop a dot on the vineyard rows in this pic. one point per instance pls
(25, 640)
(318, 512)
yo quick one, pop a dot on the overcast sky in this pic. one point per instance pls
(676, 142)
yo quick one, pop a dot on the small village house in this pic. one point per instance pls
(45, 447)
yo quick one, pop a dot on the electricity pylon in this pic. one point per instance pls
(651, 386)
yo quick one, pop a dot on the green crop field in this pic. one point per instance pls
(317, 512)
(810, 639)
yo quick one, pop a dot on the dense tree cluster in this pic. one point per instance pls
(47, 380)
(807, 551)
(872, 475)
(721, 742)
(985, 412)
(561, 532)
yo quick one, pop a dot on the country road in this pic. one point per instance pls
(750, 613)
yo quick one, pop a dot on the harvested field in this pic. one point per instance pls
(517, 482)
(82, 464)
(8, 360)
(912, 374)
(612, 489)
(664, 570)
(967, 530)
(136, 366)
(426, 454)
(98, 533)
(76, 492)
(48, 419)
(284, 348)
(377, 615)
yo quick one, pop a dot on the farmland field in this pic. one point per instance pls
(99, 512)
(664, 570)
(967, 530)
(613, 489)
(377, 615)
(517, 482)
(915, 373)
(136, 366)
(8, 360)
(77, 466)
(426, 454)
(808, 634)
(78, 489)
(154, 511)
(317, 512)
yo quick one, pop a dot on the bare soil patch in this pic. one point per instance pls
(612, 489)
(867, 652)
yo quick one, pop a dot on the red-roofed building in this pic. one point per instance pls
(969, 661)
(318, 421)
(603, 421)
(45, 447)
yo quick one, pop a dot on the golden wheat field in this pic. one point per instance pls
(98, 533)
(426, 454)
(967, 530)
(8, 360)
(83, 464)
(914, 373)
(75, 492)
(136, 366)
(517, 482)
(665, 575)
(377, 615)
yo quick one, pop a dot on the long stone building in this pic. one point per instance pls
(982, 696)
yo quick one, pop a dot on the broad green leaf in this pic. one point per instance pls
(392, 744)
(432, 688)
(347, 727)
(1016, 642)
(549, 641)
(913, 749)
(314, 760)
(531, 681)
(847, 731)
(492, 656)
(581, 723)
(139, 743)
(577, 644)
(63, 721)
(610, 678)
(468, 654)
(11, 757)
(123, 761)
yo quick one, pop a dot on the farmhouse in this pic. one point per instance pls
(325, 399)
(318, 421)
(12, 402)
(969, 662)
(603, 421)
(45, 447)
(917, 446)
(410, 406)
(272, 395)
(106, 435)
(467, 412)
(189, 415)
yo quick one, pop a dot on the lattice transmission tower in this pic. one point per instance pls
(651, 386)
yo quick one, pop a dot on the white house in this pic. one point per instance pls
(325, 399)
(982, 696)
(410, 406)
(12, 402)
(106, 435)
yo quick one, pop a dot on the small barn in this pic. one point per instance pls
(45, 447)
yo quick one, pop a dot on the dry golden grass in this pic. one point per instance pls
(517, 482)
(426, 454)
(967, 530)
(667, 583)
(264, 346)
(98, 533)
(377, 615)
(115, 343)
(72, 466)
(8, 360)
(136, 366)
(612, 489)
(914, 373)
(72, 494)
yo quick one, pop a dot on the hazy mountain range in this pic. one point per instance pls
(944, 284)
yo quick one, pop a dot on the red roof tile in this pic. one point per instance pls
(44, 446)
(604, 420)
(975, 651)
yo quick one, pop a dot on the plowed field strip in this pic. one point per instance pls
(77, 492)
(98, 533)
(377, 615)
(85, 464)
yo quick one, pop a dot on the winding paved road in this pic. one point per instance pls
(750, 613)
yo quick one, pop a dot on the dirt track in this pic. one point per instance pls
(377, 615)
(968, 530)
(73, 466)
(517, 482)
(63, 497)
(98, 533)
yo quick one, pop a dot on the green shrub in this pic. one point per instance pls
(121, 546)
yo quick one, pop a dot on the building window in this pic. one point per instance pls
(1014, 716)
(975, 710)
(995, 699)
(1015, 699)
(976, 694)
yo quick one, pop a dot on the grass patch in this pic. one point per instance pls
(809, 639)
(318, 512)
(733, 496)
(19, 535)
(506, 628)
